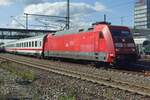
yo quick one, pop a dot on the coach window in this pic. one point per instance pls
(101, 35)
(21, 44)
(29, 44)
(35, 43)
(32, 43)
(40, 43)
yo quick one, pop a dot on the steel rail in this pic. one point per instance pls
(86, 76)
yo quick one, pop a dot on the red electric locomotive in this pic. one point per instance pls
(101, 42)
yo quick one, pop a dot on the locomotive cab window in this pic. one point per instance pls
(120, 33)
(101, 36)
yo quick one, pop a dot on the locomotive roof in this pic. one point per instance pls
(74, 31)
(84, 29)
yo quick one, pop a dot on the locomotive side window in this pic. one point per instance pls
(81, 30)
(101, 35)
(90, 29)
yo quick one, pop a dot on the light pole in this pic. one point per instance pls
(26, 21)
(68, 15)
(122, 20)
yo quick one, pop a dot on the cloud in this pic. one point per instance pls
(58, 8)
(6, 2)
(26, 2)
(78, 10)
(99, 6)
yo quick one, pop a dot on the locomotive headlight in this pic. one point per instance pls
(133, 50)
(117, 50)
(130, 45)
(119, 45)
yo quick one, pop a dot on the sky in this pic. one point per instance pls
(83, 12)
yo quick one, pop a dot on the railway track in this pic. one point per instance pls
(96, 78)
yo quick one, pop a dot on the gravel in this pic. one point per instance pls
(51, 86)
(133, 79)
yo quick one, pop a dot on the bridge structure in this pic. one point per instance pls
(9, 34)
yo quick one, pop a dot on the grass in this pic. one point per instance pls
(28, 75)
(25, 75)
(67, 98)
(109, 94)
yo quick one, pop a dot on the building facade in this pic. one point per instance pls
(142, 14)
